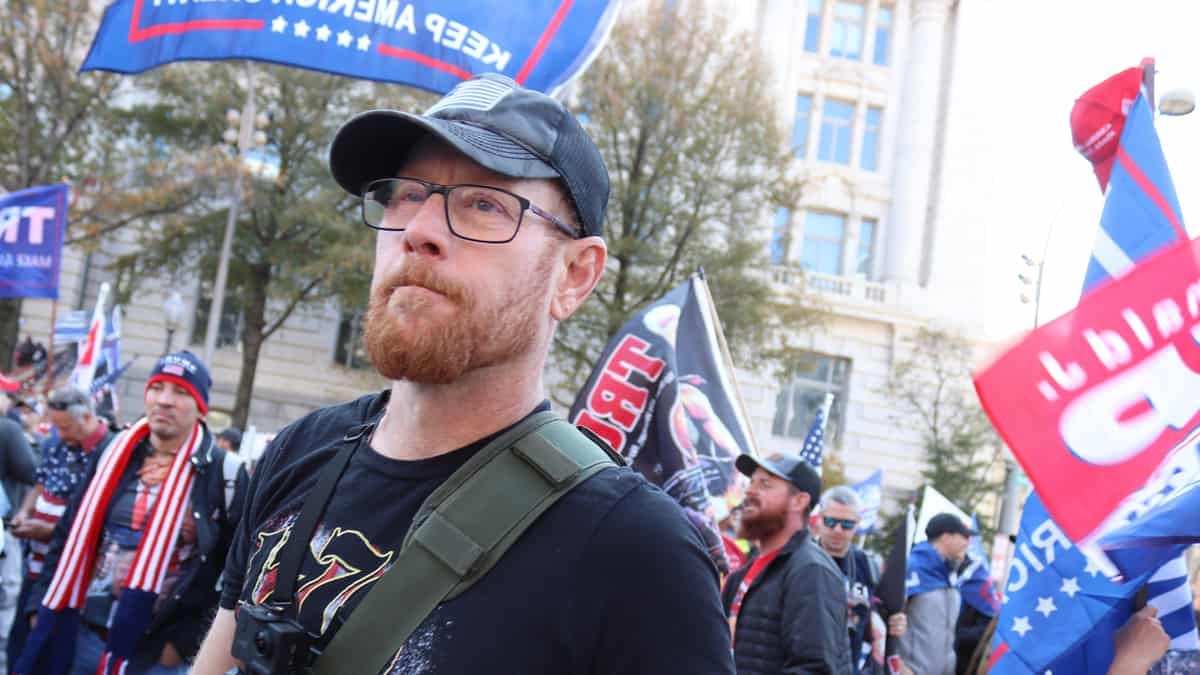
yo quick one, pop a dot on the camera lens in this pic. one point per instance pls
(262, 643)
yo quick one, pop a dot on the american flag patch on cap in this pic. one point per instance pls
(173, 369)
(480, 94)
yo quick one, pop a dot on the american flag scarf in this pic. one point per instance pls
(51, 644)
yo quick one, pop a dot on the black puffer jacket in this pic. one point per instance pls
(793, 616)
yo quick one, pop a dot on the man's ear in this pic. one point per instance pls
(583, 260)
(801, 501)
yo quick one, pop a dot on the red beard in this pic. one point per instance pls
(409, 337)
(762, 525)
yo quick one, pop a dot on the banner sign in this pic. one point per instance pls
(662, 397)
(428, 44)
(1101, 396)
(870, 498)
(31, 238)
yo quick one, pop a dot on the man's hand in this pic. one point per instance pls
(1140, 643)
(31, 528)
(897, 624)
(215, 657)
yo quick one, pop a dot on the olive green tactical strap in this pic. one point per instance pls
(460, 531)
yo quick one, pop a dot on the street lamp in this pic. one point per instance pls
(1031, 284)
(1177, 102)
(172, 316)
(245, 132)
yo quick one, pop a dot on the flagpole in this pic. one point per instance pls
(245, 140)
(706, 296)
(50, 356)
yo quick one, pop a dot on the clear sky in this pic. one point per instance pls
(1046, 53)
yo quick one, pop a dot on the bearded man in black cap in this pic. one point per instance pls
(489, 210)
(787, 606)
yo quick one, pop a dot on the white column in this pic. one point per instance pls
(916, 133)
(816, 118)
(850, 241)
(858, 127)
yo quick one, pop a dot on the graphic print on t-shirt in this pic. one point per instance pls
(344, 560)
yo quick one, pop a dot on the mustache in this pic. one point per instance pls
(422, 276)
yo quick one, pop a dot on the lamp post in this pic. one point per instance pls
(1177, 102)
(172, 316)
(242, 134)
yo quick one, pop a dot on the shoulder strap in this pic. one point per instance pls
(230, 464)
(302, 530)
(461, 530)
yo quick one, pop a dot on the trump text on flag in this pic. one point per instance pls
(31, 225)
(424, 43)
(1100, 396)
(617, 403)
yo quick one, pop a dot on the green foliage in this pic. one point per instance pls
(833, 468)
(962, 451)
(684, 114)
(57, 124)
(298, 240)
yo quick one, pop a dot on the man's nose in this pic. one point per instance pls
(429, 230)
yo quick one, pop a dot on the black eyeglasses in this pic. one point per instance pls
(482, 213)
(847, 524)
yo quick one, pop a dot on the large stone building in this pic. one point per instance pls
(883, 233)
(884, 229)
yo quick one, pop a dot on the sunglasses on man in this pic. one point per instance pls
(847, 524)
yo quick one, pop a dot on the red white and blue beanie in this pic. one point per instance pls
(186, 370)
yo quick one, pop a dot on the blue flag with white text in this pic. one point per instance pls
(32, 223)
(428, 44)
(927, 571)
(1113, 126)
(1058, 607)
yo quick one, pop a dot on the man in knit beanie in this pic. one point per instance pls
(131, 591)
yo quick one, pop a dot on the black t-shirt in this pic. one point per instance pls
(860, 587)
(612, 579)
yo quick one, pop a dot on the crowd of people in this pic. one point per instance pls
(451, 523)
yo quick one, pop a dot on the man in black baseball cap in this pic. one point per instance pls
(796, 612)
(933, 600)
(491, 120)
(489, 210)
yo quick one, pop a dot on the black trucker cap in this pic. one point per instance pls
(787, 466)
(511, 130)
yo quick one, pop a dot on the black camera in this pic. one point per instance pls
(270, 643)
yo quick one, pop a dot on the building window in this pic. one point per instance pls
(229, 330)
(350, 351)
(780, 236)
(870, 144)
(812, 27)
(837, 125)
(823, 236)
(846, 40)
(883, 36)
(864, 260)
(800, 126)
(797, 403)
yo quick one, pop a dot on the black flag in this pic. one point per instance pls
(663, 396)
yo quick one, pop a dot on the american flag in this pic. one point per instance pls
(814, 444)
